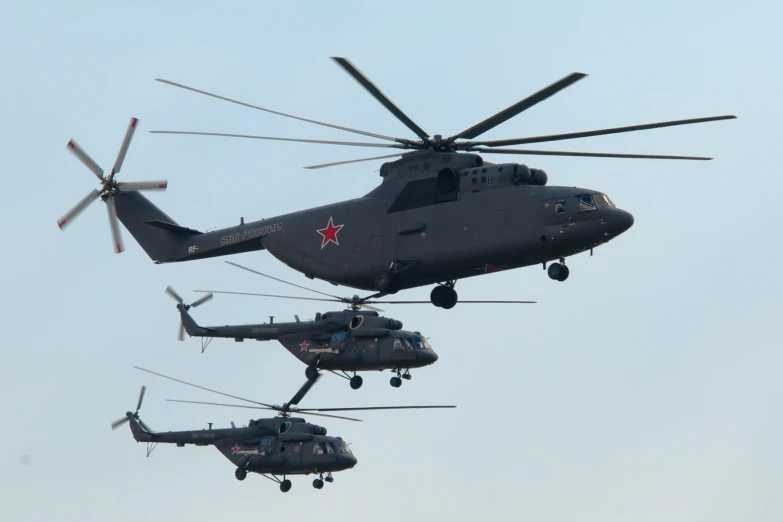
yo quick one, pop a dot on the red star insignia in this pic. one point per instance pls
(304, 345)
(491, 268)
(329, 234)
(235, 449)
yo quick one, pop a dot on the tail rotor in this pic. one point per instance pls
(119, 422)
(109, 186)
(183, 307)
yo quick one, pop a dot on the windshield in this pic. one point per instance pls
(418, 342)
(340, 447)
(607, 200)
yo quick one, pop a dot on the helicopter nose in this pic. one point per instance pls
(617, 222)
(347, 461)
(427, 357)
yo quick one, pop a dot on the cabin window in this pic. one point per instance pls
(586, 204)
(560, 206)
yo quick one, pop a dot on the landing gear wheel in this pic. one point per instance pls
(438, 295)
(558, 272)
(329, 479)
(356, 382)
(311, 372)
(318, 483)
(396, 382)
(406, 376)
(285, 486)
(240, 474)
(450, 299)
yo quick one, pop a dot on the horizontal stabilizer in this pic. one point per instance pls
(174, 229)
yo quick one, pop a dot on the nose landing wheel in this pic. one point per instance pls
(558, 271)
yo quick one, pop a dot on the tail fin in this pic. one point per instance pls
(193, 329)
(139, 433)
(159, 235)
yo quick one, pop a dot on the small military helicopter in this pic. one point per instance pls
(343, 341)
(272, 447)
(439, 215)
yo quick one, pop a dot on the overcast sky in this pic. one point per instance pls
(645, 388)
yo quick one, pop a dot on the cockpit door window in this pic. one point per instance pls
(586, 204)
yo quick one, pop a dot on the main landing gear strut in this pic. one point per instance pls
(396, 382)
(558, 271)
(444, 295)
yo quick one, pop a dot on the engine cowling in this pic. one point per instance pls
(538, 177)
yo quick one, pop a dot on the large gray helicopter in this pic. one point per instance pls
(439, 215)
(272, 447)
(343, 341)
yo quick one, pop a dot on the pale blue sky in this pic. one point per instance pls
(645, 388)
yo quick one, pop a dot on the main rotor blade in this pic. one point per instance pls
(128, 186)
(202, 300)
(114, 224)
(459, 302)
(119, 422)
(78, 209)
(86, 159)
(585, 154)
(378, 95)
(368, 307)
(282, 281)
(124, 147)
(506, 114)
(276, 296)
(325, 165)
(202, 387)
(296, 140)
(141, 398)
(174, 295)
(375, 408)
(347, 129)
(601, 132)
(299, 395)
(259, 408)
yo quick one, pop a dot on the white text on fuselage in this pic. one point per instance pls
(250, 233)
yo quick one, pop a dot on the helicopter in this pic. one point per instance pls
(339, 342)
(272, 447)
(440, 213)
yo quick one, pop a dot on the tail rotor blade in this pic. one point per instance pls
(174, 295)
(141, 398)
(78, 209)
(143, 185)
(86, 159)
(124, 147)
(181, 333)
(202, 300)
(119, 422)
(114, 224)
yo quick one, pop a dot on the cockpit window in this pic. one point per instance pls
(322, 448)
(340, 447)
(419, 343)
(607, 200)
(397, 347)
(560, 206)
(586, 204)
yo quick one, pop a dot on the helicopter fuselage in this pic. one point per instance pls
(436, 217)
(345, 340)
(279, 446)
